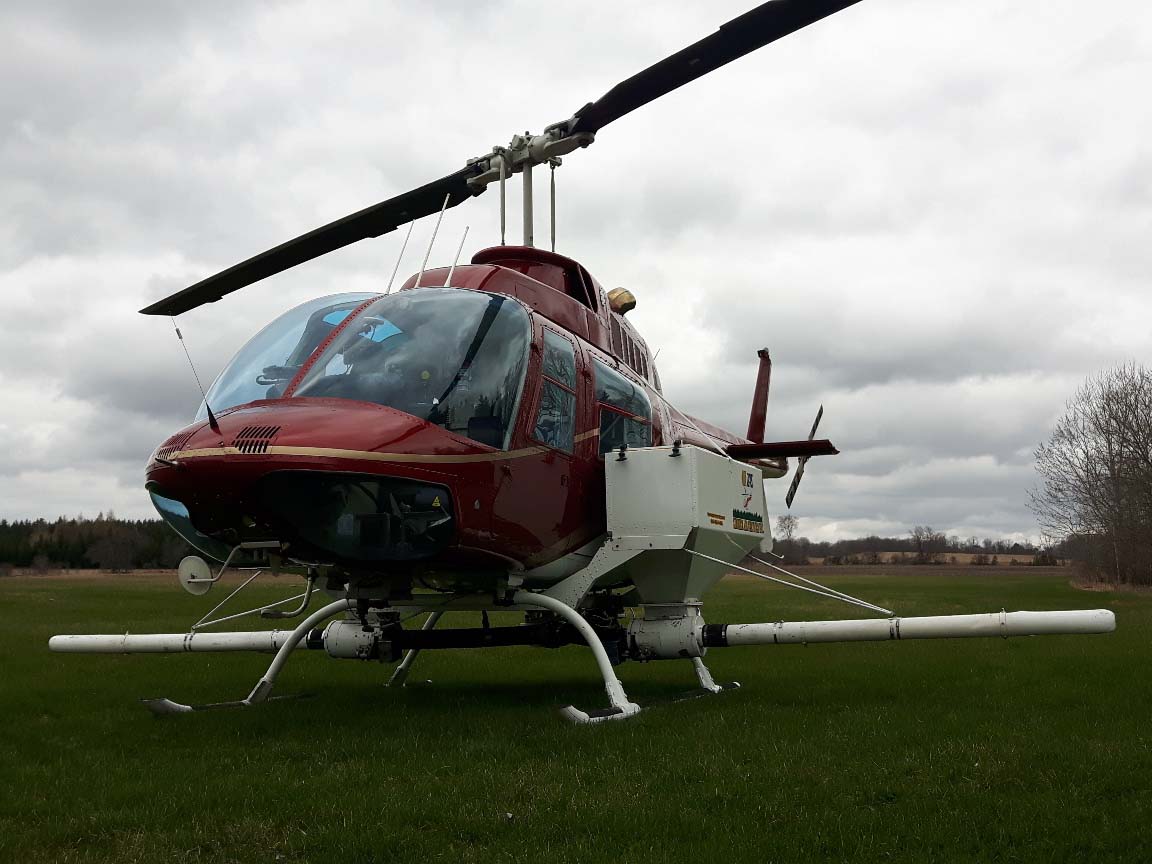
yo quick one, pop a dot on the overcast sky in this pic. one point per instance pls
(937, 215)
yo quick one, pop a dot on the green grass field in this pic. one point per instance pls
(977, 750)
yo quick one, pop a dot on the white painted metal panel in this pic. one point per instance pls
(661, 504)
(652, 493)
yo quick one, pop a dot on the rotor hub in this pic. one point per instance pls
(526, 151)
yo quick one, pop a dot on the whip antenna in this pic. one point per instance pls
(452, 269)
(431, 242)
(211, 417)
(400, 257)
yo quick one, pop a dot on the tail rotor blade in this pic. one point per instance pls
(802, 461)
(816, 423)
(796, 481)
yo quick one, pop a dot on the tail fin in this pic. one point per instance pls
(760, 398)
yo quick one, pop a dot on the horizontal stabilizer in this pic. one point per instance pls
(775, 449)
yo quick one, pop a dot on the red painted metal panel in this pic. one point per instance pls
(523, 507)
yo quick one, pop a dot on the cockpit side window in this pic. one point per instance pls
(556, 417)
(625, 412)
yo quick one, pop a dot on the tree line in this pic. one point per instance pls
(109, 543)
(921, 545)
(105, 542)
(1095, 489)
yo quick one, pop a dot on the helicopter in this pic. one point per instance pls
(491, 436)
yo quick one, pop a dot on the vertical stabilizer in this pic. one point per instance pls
(760, 398)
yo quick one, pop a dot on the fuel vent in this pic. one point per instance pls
(255, 439)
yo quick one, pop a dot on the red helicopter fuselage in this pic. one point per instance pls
(392, 456)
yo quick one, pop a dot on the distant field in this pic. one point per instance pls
(962, 558)
(992, 750)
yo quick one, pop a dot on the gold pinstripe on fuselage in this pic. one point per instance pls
(375, 455)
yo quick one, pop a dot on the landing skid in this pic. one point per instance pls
(166, 707)
(708, 687)
(574, 714)
(620, 706)
(400, 675)
(700, 694)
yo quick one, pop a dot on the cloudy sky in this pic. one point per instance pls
(937, 215)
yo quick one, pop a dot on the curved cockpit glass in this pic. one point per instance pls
(271, 358)
(451, 357)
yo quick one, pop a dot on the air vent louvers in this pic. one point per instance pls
(255, 439)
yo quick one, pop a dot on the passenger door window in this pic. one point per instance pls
(625, 412)
(556, 416)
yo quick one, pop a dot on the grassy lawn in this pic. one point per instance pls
(959, 750)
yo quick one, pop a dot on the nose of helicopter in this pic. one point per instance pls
(351, 481)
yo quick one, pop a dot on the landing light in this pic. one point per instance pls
(621, 300)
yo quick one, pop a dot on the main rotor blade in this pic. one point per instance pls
(369, 222)
(740, 36)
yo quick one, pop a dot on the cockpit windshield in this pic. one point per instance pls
(266, 364)
(452, 357)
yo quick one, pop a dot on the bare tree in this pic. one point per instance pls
(785, 536)
(1096, 475)
(929, 545)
